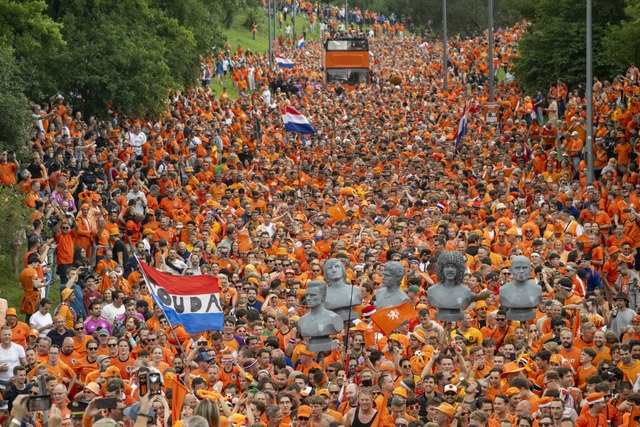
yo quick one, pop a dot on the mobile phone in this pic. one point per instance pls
(155, 383)
(143, 377)
(39, 403)
(107, 403)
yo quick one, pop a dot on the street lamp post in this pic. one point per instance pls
(269, 34)
(445, 60)
(589, 95)
(491, 71)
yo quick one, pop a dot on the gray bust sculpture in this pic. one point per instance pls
(450, 296)
(340, 296)
(319, 323)
(522, 295)
(390, 294)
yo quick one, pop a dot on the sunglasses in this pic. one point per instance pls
(338, 392)
(92, 348)
(112, 345)
(545, 424)
(79, 329)
(202, 343)
(303, 418)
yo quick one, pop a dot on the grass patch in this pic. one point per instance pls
(9, 284)
(10, 287)
(239, 35)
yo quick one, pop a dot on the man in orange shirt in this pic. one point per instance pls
(30, 284)
(19, 330)
(568, 350)
(64, 251)
(8, 169)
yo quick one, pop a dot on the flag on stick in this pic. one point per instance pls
(389, 318)
(190, 301)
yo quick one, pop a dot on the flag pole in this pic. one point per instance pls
(156, 300)
(346, 335)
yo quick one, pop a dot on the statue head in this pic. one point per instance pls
(334, 271)
(392, 274)
(454, 259)
(520, 268)
(316, 293)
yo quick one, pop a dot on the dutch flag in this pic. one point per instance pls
(462, 126)
(193, 302)
(301, 42)
(283, 62)
(296, 122)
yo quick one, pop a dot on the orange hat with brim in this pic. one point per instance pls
(446, 409)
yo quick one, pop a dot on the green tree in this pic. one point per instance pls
(122, 55)
(204, 18)
(15, 115)
(15, 220)
(26, 29)
(622, 43)
(555, 45)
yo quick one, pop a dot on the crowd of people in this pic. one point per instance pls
(217, 187)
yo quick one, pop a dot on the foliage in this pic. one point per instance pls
(622, 43)
(204, 18)
(15, 219)
(122, 55)
(252, 16)
(25, 28)
(15, 115)
(555, 45)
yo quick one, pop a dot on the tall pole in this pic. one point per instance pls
(589, 95)
(445, 60)
(491, 71)
(293, 20)
(346, 15)
(269, 34)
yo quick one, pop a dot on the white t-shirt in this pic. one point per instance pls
(41, 320)
(11, 356)
(110, 312)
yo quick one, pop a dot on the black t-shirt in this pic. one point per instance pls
(35, 170)
(57, 338)
(119, 247)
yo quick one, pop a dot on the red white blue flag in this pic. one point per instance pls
(296, 122)
(190, 301)
(462, 126)
(283, 62)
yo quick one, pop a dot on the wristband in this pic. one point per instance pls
(16, 421)
(140, 414)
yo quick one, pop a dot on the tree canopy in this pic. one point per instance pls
(124, 55)
(555, 45)
(622, 43)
